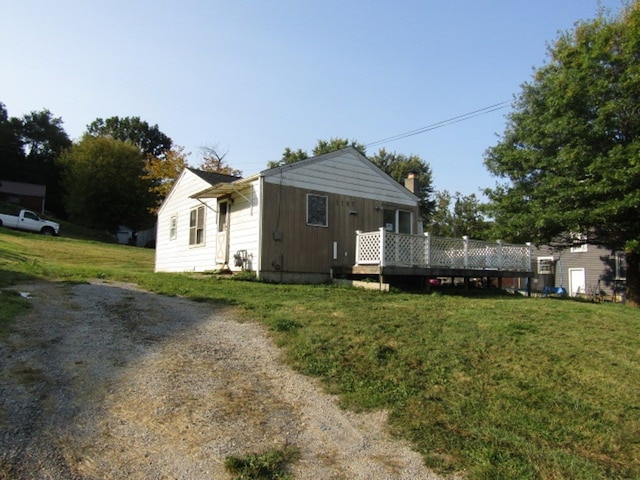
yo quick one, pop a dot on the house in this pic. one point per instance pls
(27, 195)
(582, 270)
(291, 224)
(183, 221)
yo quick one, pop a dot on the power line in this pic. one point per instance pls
(443, 123)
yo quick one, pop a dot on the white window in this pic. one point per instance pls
(396, 221)
(579, 247)
(545, 265)
(196, 226)
(223, 210)
(621, 266)
(317, 210)
(173, 227)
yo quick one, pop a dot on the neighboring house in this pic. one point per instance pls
(26, 195)
(293, 223)
(582, 270)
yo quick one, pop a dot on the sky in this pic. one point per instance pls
(251, 78)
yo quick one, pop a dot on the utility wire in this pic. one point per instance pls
(443, 123)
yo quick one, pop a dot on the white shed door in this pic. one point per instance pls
(577, 283)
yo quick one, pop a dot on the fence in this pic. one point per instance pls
(389, 249)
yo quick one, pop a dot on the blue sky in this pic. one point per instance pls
(254, 77)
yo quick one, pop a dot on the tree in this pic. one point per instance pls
(213, 161)
(570, 154)
(149, 139)
(29, 148)
(104, 185)
(457, 215)
(11, 151)
(399, 166)
(44, 139)
(162, 174)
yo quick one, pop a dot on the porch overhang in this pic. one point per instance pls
(223, 189)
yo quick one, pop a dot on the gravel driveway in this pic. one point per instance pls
(103, 380)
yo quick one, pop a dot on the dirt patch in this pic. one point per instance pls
(104, 380)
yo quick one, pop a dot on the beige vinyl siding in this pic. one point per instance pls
(290, 244)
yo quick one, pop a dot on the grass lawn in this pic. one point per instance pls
(495, 386)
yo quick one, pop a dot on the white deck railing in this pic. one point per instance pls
(388, 249)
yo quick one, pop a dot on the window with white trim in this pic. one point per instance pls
(396, 221)
(173, 227)
(317, 210)
(621, 266)
(196, 226)
(545, 265)
(579, 248)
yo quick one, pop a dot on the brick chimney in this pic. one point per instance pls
(411, 183)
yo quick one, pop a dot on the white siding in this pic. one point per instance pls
(347, 174)
(244, 225)
(176, 255)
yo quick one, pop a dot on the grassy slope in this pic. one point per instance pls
(500, 387)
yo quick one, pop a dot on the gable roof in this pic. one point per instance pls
(356, 164)
(21, 188)
(212, 177)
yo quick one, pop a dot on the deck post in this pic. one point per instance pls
(427, 248)
(358, 232)
(499, 252)
(528, 265)
(466, 251)
(382, 246)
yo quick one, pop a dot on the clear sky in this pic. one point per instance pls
(254, 77)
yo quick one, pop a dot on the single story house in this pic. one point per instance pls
(291, 224)
(27, 195)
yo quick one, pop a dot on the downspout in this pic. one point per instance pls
(260, 225)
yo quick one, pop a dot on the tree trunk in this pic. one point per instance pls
(632, 294)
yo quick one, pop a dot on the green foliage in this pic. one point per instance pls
(29, 148)
(571, 152)
(104, 184)
(149, 139)
(457, 215)
(399, 166)
(271, 465)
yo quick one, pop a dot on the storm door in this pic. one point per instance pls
(222, 237)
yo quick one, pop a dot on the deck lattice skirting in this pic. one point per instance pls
(387, 249)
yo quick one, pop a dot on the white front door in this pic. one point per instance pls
(222, 238)
(577, 283)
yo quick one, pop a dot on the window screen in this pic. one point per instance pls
(317, 210)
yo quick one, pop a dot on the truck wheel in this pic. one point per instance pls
(47, 231)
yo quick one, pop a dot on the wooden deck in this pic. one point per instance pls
(385, 254)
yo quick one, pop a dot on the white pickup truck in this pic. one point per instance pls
(28, 220)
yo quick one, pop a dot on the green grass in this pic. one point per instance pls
(498, 387)
(271, 465)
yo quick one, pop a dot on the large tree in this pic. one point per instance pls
(455, 215)
(394, 164)
(103, 180)
(29, 147)
(399, 166)
(570, 155)
(148, 138)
